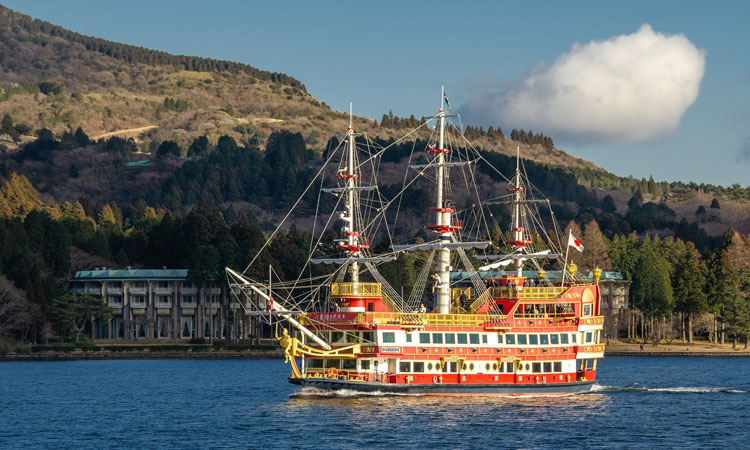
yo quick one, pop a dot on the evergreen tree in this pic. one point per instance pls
(651, 289)
(690, 286)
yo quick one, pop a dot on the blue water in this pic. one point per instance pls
(639, 403)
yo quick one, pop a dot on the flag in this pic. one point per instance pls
(573, 242)
(446, 101)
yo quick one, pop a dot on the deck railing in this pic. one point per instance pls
(348, 289)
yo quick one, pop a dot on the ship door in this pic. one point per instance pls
(392, 366)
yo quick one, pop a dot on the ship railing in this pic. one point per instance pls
(426, 319)
(355, 289)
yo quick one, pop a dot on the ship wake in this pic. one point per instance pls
(312, 392)
(676, 390)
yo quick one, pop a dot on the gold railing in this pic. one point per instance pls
(593, 320)
(348, 289)
(546, 293)
(426, 319)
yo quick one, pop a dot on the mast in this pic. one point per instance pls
(517, 230)
(352, 237)
(442, 220)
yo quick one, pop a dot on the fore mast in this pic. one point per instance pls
(351, 247)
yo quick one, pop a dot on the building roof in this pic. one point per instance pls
(132, 274)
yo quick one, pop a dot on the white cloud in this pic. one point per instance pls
(627, 88)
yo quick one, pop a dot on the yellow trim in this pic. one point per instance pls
(363, 289)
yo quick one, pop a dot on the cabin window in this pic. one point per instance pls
(315, 363)
(574, 338)
(337, 336)
(352, 338)
(450, 338)
(554, 339)
(510, 367)
(424, 338)
(500, 339)
(454, 367)
(404, 366)
(370, 307)
(558, 366)
(349, 364)
(521, 339)
(418, 367)
(543, 339)
(437, 338)
(367, 336)
(536, 367)
(389, 337)
(587, 309)
(462, 338)
(564, 338)
(408, 337)
(501, 367)
(474, 338)
(335, 363)
(547, 367)
(589, 337)
(484, 339)
(533, 339)
(364, 364)
(510, 339)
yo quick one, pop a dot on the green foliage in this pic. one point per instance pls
(651, 289)
(168, 149)
(51, 88)
(71, 312)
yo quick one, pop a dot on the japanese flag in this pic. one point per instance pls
(573, 242)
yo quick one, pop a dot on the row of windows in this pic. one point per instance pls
(451, 367)
(160, 299)
(389, 337)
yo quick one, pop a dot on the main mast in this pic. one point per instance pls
(442, 219)
(352, 236)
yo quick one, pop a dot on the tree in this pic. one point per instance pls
(608, 205)
(690, 284)
(594, 248)
(73, 311)
(715, 204)
(168, 149)
(736, 308)
(651, 289)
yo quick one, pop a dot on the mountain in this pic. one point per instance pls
(60, 80)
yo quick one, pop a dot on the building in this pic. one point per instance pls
(163, 304)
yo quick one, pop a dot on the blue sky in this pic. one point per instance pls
(394, 55)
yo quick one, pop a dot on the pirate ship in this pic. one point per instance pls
(501, 328)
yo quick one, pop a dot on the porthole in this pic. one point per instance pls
(463, 367)
(494, 366)
(471, 366)
(528, 367)
(429, 366)
(487, 366)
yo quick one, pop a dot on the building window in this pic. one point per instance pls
(138, 301)
(114, 300)
(188, 284)
(186, 326)
(164, 300)
(162, 327)
(139, 285)
(214, 299)
(117, 330)
(188, 300)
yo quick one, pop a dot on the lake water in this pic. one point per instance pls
(639, 403)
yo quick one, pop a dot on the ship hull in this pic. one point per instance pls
(446, 388)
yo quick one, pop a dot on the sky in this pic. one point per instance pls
(640, 88)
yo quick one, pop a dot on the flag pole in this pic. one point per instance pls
(565, 266)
